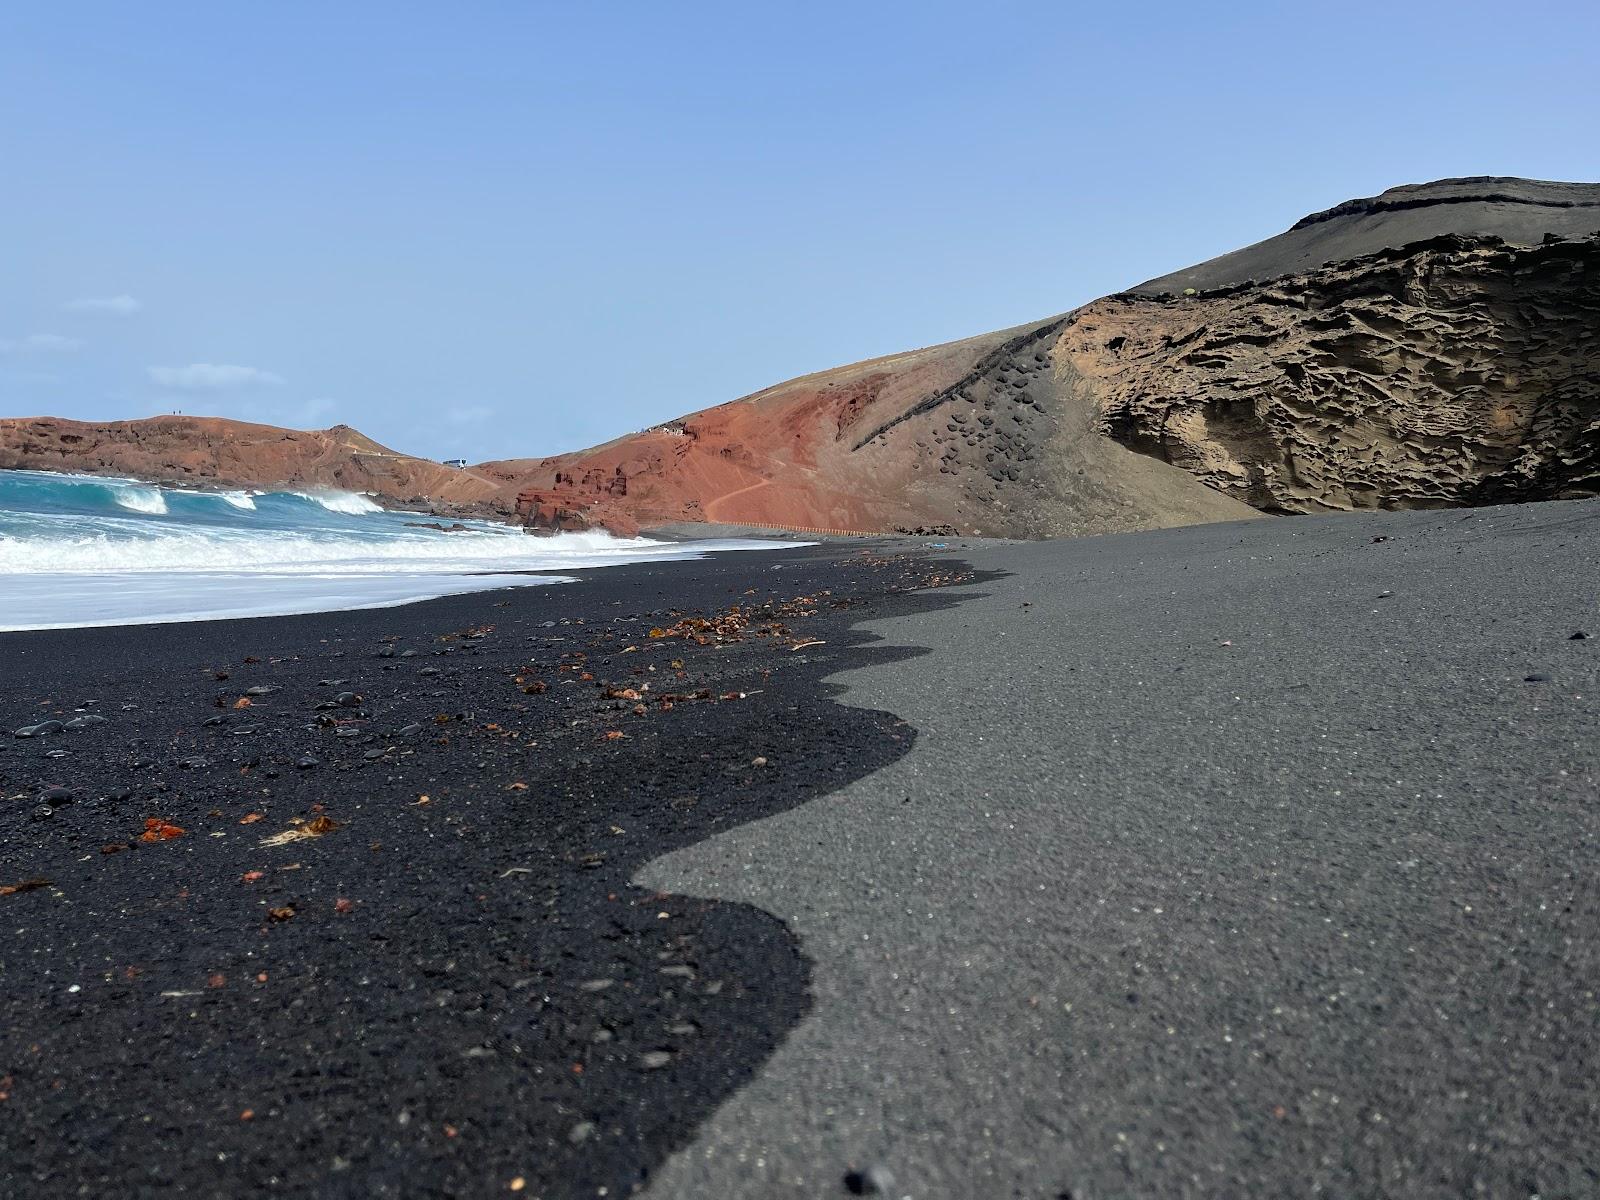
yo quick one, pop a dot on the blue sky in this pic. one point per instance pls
(490, 229)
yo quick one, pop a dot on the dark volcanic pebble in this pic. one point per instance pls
(874, 1181)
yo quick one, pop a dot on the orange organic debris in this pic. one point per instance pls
(157, 829)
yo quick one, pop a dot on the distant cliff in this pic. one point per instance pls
(216, 452)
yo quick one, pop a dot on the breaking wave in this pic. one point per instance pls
(78, 549)
(140, 499)
(341, 502)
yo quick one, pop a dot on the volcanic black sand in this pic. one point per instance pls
(1240, 860)
(440, 980)
(1251, 859)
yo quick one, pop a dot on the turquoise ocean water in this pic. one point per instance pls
(86, 550)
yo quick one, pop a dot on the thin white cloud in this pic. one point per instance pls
(212, 377)
(120, 306)
(471, 414)
(40, 343)
(30, 378)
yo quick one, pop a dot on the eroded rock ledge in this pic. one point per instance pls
(1461, 370)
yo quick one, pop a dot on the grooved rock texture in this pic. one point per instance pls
(1457, 371)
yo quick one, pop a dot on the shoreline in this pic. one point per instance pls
(132, 552)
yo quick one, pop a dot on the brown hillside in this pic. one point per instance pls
(215, 451)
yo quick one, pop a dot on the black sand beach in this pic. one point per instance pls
(1248, 859)
(436, 996)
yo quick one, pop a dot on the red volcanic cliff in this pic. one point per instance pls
(874, 447)
(218, 452)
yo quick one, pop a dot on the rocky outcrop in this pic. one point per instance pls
(217, 452)
(1457, 371)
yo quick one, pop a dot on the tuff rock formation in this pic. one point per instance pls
(1454, 371)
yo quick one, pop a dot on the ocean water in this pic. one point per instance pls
(79, 550)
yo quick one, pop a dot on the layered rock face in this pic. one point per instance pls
(1520, 212)
(1457, 371)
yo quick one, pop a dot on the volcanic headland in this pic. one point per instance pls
(1436, 345)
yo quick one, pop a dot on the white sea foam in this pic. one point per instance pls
(42, 602)
(80, 550)
(353, 503)
(243, 500)
(201, 549)
(141, 499)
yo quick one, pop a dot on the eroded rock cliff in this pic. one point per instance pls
(1456, 371)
